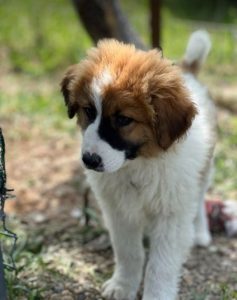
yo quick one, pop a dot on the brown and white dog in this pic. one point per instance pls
(147, 149)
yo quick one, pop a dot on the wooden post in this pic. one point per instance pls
(155, 20)
(3, 290)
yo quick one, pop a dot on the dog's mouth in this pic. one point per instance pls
(98, 169)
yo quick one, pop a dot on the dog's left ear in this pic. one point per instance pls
(174, 112)
(66, 90)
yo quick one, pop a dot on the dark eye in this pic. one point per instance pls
(90, 113)
(122, 121)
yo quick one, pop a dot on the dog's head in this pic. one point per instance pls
(128, 102)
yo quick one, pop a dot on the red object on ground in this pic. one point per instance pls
(222, 216)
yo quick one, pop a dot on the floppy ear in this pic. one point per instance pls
(66, 91)
(174, 112)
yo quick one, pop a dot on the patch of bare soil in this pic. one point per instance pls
(50, 195)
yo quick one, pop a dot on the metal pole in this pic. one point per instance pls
(3, 290)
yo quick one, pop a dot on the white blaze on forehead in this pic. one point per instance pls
(112, 159)
(97, 85)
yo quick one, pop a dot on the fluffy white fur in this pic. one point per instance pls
(198, 47)
(159, 197)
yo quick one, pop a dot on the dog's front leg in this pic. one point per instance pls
(126, 239)
(170, 241)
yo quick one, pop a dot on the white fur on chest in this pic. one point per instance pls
(147, 188)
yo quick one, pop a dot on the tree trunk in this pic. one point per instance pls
(105, 19)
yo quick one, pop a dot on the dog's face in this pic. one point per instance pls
(128, 102)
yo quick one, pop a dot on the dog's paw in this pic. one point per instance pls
(203, 239)
(114, 289)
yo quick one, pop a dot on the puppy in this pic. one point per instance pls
(147, 150)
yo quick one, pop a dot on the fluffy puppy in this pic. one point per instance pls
(147, 150)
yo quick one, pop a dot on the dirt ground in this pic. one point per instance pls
(48, 212)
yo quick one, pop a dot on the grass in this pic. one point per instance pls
(45, 37)
(28, 260)
(227, 293)
(226, 162)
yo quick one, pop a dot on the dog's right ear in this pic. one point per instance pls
(69, 76)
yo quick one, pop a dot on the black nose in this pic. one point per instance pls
(92, 161)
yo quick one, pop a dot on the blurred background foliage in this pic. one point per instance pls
(223, 11)
(41, 37)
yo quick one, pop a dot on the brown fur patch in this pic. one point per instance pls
(145, 87)
(193, 68)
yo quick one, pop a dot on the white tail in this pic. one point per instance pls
(197, 50)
